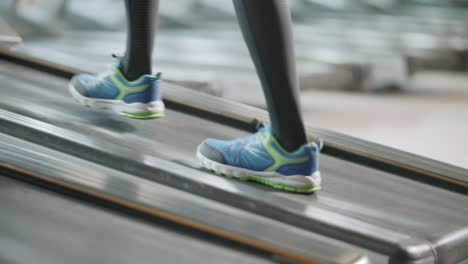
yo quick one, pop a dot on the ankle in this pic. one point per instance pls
(133, 74)
(290, 145)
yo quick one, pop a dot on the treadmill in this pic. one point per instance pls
(378, 205)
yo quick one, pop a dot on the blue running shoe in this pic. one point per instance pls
(138, 99)
(260, 158)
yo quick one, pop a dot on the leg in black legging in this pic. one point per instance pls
(267, 29)
(142, 20)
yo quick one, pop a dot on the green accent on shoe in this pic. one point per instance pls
(125, 90)
(279, 159)
(142, 116)
(284, 187)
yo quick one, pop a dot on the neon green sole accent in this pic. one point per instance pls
(149, 115)
(284, 187)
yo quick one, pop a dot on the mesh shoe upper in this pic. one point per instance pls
(114, 86)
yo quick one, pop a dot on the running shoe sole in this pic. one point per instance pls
(150, 110)
(293, 183)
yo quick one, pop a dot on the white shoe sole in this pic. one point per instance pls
(293, 183)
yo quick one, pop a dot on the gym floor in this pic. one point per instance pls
(424, 119)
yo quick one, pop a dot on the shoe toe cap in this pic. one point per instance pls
(210, 152)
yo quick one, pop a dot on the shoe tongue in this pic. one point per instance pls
(118, 61)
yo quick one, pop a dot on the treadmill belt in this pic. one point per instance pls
(369, 208)
(189, 214)
(39, 226)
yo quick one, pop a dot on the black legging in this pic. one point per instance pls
(142, 21)
(267, 29)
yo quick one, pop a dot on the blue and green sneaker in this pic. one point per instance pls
(138, 99)
(260, 158)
